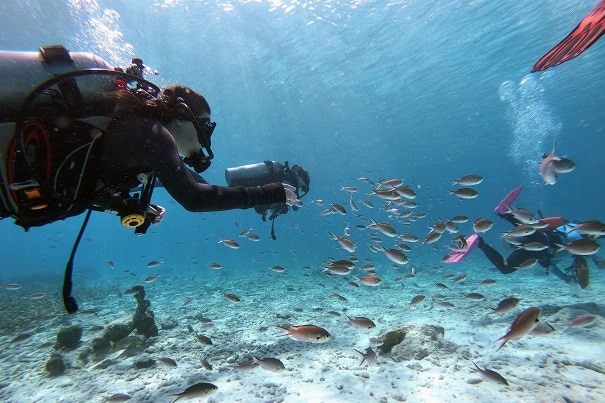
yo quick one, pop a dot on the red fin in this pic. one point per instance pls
(591, 28)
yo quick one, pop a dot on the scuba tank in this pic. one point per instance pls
(21, 72)
(255, 174)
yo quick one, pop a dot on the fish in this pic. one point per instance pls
(524, 322)
(214, 266)
(360, 322)
(459, 219)
(337, 270)
(205, 364)
(459, 279)
(232, 297)
(385, 228)
(350, 189)
(592, 228)
(204, 339)
(339, 208)
(189, 300)
(253, 237)
(167, 361)
(464, 193)
(388, 194)
(111, 264)
(482, 225)
(451, 227)
(520, 231)
(582, 320)
(11, 286)
(244, 366)
(151, 278)
(408, 238)
(344, 243)
(338, 297)
(441, 285)
(367, 203)
(490, 375)
(417, 299)
(36, 295)
(468, 180)
(353, 205)
(445, 304)
(306, 333)
(370, 280)
(527, 263)
(475, 296)
(230, 243)
(318, 202)
(487, 281)
(197, 390)
(563, 165)
(405, 191)
(523, 216)
(154, 263)
(395, 256)
(278, 269)
(581, 247)
(269, 364)
(547, 168)
(506, 305)
(432, 237)
(369, 356)
(533, 246)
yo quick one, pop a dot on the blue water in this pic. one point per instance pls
(418, 90)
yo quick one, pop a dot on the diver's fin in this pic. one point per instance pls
(504, 206)
(591, 28)
(458, 255)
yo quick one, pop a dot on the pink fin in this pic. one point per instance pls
(457, 255)
(504, 205)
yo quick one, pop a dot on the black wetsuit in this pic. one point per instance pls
(518, 256)
(134, 145)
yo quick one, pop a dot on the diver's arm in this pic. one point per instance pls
(184, 187)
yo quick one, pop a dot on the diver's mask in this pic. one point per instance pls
(199, 161)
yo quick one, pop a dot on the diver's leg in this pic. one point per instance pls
(495, 257)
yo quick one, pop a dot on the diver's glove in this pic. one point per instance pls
(291, 199)
(156, 213)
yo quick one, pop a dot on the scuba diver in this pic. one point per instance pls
(536, 240)
(591, 28)
(266, 172)
(90, 137)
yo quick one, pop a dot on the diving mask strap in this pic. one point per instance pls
(71, 306)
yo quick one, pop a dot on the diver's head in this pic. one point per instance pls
(190, 125)
(302, 178)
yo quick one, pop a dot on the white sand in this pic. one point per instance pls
(548, 368)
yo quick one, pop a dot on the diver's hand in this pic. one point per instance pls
(291, 199)
(157, 213)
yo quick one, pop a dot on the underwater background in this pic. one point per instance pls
(424, 91)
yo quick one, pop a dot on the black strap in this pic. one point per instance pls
(71, 306)
(273, 229)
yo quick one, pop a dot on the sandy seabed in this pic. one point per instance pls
(564, 366)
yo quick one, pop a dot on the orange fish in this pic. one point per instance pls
(370, 280)
(521, 325)
(308, 333)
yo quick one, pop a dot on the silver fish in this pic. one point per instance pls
(490, 375)
(368, 357)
